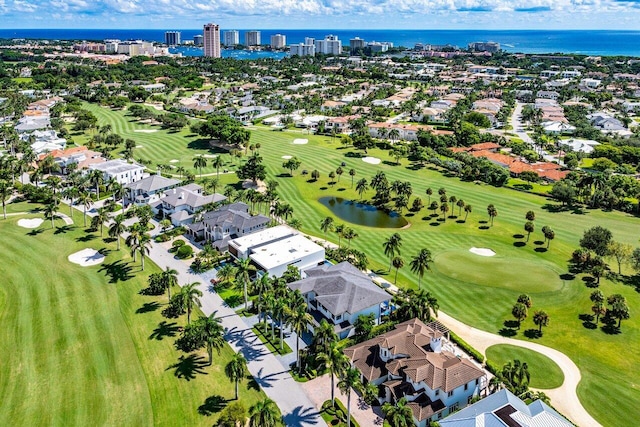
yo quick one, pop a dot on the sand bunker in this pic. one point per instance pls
(146, 130)
(371, 160)
(139, 146)
(300, 141)
(287, 157)
(31, 223)
(482, 251)
(174, 161)
(86, 257)
(210, 156)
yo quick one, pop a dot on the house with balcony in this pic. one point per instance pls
(180, 204)
(120, 171)
(340, 294)
(150, 189)
(415, 361)
(226, 223)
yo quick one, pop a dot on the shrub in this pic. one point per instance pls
(184, 252)
(466, 347)
(178, 243)
(162, 238)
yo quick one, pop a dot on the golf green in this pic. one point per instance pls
(516, 274)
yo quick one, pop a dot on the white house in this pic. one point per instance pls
(181, 203)
(150, 189)
(273, 249)
(340, 294)
(121, 171)
(579, 145)
(411, 361)
(504, 409)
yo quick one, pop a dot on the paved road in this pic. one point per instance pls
(518, 129)
(297, 409)
(564, 398)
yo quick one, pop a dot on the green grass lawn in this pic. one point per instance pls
(81, 346)
(544, 372)
(607, 366)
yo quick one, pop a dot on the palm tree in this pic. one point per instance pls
(350, 379)
(519, 311)
(397, 263)
(96, 178)
(444, 208)
(71, 193)
(50, 212)
(323, 336)
(540, 318)
(339, 229)
(212, 333)
(394, 134)
(132, 240)
(352, 173)
(216, 163)
(335, 362)
(460, 204)
(361, 186)
(493, 212)
(225, 273)
(191, 295)
(264, 414)
(517, 375)
(5, 192)
(87, 201)
(299, 320)
(117, 228)
(169, 278)
(141, 247)
(467, 210)
(392, 247)
(529, 228)
(349, 234)
(199, 162)
(420, 263)
(243, 268)
(236, 370)
(398, 415)
(326, 225)
(262, 286)
(429, 192)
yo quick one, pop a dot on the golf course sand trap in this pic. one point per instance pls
(287, 157)
(300, 141)
(371, 160)
(482, 251)
(139, 146)
(30, 223)
(174, 161)
(210, 156)
(86, 257)
(146, 130)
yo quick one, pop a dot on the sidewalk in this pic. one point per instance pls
(274, 378)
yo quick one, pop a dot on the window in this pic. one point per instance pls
(477, 381)
(466, 387)
(449, 394)
(453, 408)
(438, 392)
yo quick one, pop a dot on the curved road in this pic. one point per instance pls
(564, 398)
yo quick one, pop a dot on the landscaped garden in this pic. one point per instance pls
(81, 346)
(486, 300)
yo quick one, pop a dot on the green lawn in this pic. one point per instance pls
(544, 372)
(81, 346)
(607, 366)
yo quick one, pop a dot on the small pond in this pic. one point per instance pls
(361, 214)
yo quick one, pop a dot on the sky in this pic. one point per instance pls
(321, 14)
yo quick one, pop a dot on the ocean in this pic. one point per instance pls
(596, 42)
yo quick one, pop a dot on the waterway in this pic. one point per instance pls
(362, 214)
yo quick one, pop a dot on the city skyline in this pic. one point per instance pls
(317, 14)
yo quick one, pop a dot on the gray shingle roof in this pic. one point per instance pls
(341, 288)
(152, 183)
(181, 196)
(234, 215)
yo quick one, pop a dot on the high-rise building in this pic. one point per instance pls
(484, 47)
(252, 38)
(212, 40)
(172, 38)
(198, 40)
(329, 46)
(302, 49)
(278, 41)
(231, 38)
(356, 46)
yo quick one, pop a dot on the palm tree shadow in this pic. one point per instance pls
(35, 232)
(118, 271)
(187, 367)
(148, 307)
(86, 238)
(265, 381)
(64, 229)
(164, 329)
(301, 416)
(212, 405)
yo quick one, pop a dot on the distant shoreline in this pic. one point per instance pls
(607, 42)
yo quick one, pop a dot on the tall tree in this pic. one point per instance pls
(169, 278)
(236, 370)
(398, 415)
(519, 311)
(299, 320)
(529, 228)
(216, 162)
(540, 318)
(397, 263)
(5, 192)
(117, 228)
(264, 414)
(421, 263)
(191, 296)
(212, 333)
(333, 360)
(87, 202)
(243, 269)
(199, 162)
(493, 212)
(50, 211)
(326, 225)
(350, 380)
(392, 247)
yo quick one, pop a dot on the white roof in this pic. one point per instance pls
(115, 166)
(263, 237)
(285, 251)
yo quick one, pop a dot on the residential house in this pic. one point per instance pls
(340, 294)
(44, 141)
(119, 170)
(504, 409)
(415, 361)
(150, 189)
(180, 204)
(81, 156)
(226, 223)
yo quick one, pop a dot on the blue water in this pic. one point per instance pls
(602, 42)
(229, 53)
